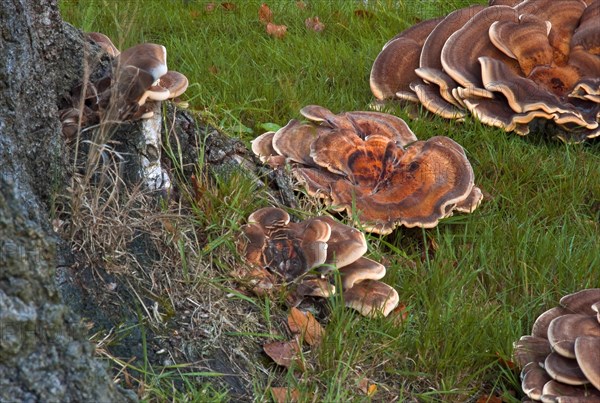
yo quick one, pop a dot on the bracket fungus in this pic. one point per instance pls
(371, 164)
(137, 75)
(560, 360)
(301, 255)
(132, 88)
(512, 64)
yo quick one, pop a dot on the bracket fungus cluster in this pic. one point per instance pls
(132, 88)
(283, 253)
(137, 76)
(372, 163)
(560, 360)
(512, 64)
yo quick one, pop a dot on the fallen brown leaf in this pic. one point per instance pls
(367, 387)
(228, 6)
(212, 69)
(306, 325)
(399, 314)
(363, 13)
(194, 14)
(313, 24)
(265, 15)
(285, 395)
(284, 353)
(276, 31)
(489, 399)
(507, 363)
(301, 5)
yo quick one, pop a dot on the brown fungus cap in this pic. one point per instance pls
(563, 16)
(294, 141)
(445, 83)
(471, 202)
(565, 370)
(525, 40)
(262, 146)
(345, 245)
(587, 34)
(360, 270)
(168, 86)
(148, 57)
(557, 391)
(432, 47)
(496, 112)
(581, 301)
(463, 48)
(367, 123)
(371, 298)
(563, 331)
(531, 349)
(289, 249)
(390, 186)
(430, 98)
(394, 69)
(104, 42)
(587, 353)
(523, 95)
(533, 379)
(175, 82)
(542, 323)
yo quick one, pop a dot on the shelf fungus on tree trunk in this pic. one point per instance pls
(372, 166)
(512, 64)
(560, 360)
(131, 89)
(301, 257)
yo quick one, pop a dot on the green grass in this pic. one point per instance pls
(534, 239)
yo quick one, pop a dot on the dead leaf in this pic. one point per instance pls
(313, 24)
(399, 314)
(284, 353)
(306, 325)
(489, 399)
(285, 395)
(265, 15)
(212, 69)
(276, 31)
(301, 5)
(228, 6)
(194, 14)
(507, 363)
(367, 387)
(363, 13)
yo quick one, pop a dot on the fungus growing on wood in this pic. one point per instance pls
(141, 74)
(104, 42)
(509, 64)
(283, 254)
(372, 166)
(561, 359)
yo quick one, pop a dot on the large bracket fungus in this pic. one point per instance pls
(513, 64)
(372, 166)
(282, 253)
(560, 360)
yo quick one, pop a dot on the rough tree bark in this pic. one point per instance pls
(43, 353)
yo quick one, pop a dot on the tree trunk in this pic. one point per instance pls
(44, 355)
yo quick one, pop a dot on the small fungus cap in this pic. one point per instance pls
(371, 297)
